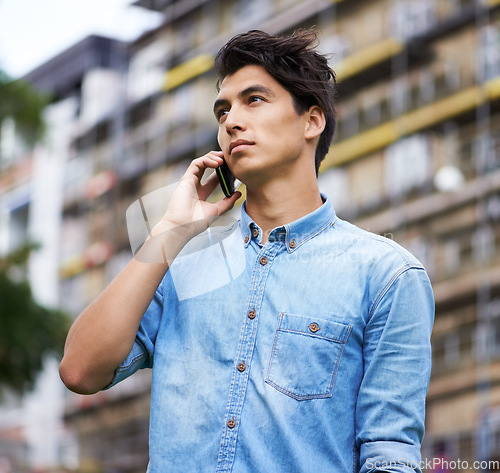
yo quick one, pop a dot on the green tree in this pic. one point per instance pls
(29, 332)
(20, 102)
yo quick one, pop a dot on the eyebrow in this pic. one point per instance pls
(260, 89)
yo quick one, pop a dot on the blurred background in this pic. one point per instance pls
(101, 117)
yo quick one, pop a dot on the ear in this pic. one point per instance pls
(315, 123)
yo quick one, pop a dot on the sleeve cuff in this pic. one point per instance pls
(390, 457)
(133, 362)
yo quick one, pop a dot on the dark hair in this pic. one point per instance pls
(294, 63)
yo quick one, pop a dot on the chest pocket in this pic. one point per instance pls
(305, 356)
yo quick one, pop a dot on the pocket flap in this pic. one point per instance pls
(314, 326)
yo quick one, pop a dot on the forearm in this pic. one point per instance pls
(104, 333)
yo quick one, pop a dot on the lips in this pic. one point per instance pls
(239, 145)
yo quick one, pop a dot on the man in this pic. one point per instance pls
(315, 357)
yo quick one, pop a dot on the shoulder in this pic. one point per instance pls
(385, 270)
(374, 248)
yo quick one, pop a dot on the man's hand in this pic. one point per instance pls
(188, 209)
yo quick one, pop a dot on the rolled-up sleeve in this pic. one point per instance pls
(142, 353)
(390, 411)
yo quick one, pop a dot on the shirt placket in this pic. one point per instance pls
(244, 354)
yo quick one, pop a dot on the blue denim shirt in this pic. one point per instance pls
(310, 353)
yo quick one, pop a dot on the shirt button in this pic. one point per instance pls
(292, 243)
(231, 423)
(314, 327)
(255, 232)
(246, 239)
(241, 367)
(251, 314)
(263, 260)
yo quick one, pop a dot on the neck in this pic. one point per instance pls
(280, 202)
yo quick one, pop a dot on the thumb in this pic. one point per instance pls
(227, 203)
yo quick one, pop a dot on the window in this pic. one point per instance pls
(457, 5)
(457, 348)
(493, 310)
(348, 123)
(438, 354)
(488, 57)
(486, 150)
(494, 435)
(372, 110)
(466, 158)
(465, 252)
(7, 142)
(467, 445)
(452, 74)
(18, 225)
(409, 18)
(185, 39)
(493, 347)
(451, 256)
(336, 48)
(407, 165)
(493, 208)
(399, 97)
(101, 95)
(246, 12)
(333, 182)
(182, 105)
(427, 86)
(72, 294)
(452, 349)
(76, 174)
(483, 244)
(147, 70)
(366, 181)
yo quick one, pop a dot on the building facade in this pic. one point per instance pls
(416, 157)
(32, 181)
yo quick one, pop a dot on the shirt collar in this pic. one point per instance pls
(295, 233)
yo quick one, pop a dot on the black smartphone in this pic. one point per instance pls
(226, 179)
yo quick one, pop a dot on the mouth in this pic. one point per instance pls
(239, 145)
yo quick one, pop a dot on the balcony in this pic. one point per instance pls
(452, 107)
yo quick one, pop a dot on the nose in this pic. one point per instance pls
(234, 121)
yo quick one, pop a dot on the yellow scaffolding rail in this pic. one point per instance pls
(411, 122)
(187, 70)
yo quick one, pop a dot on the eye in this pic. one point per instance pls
(255, 98)
(221, 113)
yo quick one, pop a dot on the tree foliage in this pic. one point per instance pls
(23, 104)
(28, 331)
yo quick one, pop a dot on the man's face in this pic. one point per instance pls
(260, 133)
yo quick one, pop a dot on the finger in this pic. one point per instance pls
(209, 186)
(197, 167)
(227, 203)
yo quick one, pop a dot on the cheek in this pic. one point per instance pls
(291, 122)
(222, 135)
(292, 130)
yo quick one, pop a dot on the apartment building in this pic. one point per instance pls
(416, 157)
(32, 180)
